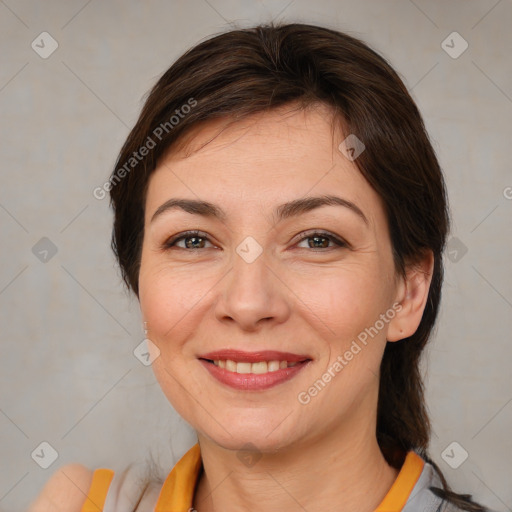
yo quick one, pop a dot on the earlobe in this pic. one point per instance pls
(412, 296)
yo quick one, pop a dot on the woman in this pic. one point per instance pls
(280, 215)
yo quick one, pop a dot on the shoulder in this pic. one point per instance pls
(65, 491)
(428, 495)
(136, 488)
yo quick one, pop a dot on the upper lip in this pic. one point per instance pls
(240, 356)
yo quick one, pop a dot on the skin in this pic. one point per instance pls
(65, 491)
(294, 298)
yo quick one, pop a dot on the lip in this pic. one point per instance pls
(240, 356)
(253, 381)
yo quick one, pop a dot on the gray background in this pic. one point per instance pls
(68, 375)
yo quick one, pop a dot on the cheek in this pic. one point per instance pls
(345, 307)
(171, 301)
(349, 302)
(345, 301)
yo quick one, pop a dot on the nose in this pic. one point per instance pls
(252, 295)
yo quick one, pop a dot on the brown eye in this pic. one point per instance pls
(192, 240)
(319, 240)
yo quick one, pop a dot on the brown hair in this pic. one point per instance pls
(246, 71)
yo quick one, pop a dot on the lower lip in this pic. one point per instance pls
(253, 381)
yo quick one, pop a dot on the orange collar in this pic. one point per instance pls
(177, 492)
(397, 496)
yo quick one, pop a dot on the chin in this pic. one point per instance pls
(268, 434)
(251, 440)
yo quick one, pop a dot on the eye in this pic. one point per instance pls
(192, 240)
(320, 240)
(317, 240)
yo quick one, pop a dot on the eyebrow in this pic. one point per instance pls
(284, 211)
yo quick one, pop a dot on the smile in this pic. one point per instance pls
(254, 371)
(257, 368)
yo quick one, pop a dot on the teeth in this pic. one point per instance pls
(230, 365)
(257, 368)
(273, 366)
(260, 367)
(243, 367)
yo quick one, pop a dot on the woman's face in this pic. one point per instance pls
(297, 296)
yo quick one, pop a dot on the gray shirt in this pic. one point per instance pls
(127, 486)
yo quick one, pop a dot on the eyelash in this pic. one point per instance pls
(168, 244)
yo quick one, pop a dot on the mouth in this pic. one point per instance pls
(253, 370)
(257, 368)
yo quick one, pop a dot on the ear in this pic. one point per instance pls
(412, 295)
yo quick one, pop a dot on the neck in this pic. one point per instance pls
(341, 473)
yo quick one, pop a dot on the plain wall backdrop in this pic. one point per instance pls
(68, 374)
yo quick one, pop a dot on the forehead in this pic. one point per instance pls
(261, 160)
(280, 128)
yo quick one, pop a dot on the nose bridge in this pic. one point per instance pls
(251, 292)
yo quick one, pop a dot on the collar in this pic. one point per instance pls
(177, 492)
